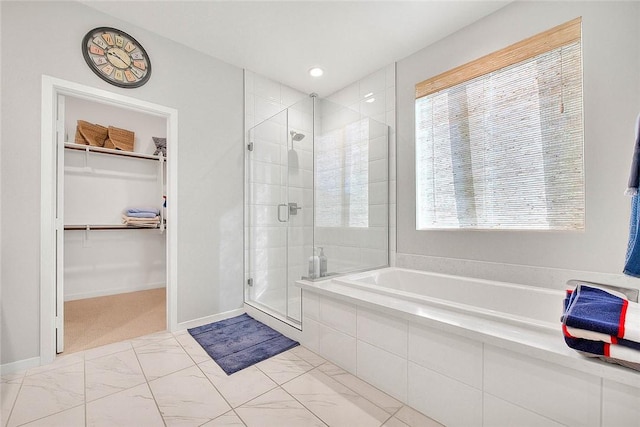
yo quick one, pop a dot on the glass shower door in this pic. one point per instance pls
(274, 212)
(299, 171)
(267, 214)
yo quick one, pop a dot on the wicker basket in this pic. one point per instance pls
(121, 139)
(79, 138)
(90, 134)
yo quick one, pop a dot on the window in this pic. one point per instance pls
(499, 141)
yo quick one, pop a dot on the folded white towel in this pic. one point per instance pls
(141, 222)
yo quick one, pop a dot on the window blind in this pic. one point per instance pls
(499, 141)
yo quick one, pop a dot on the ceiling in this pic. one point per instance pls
(282, 40)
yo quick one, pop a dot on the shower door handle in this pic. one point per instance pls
(294, 208)
(283, 205)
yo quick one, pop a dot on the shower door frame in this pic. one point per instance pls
(282, 208)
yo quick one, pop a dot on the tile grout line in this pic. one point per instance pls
(153, 396)
(278, 386)
(214, 386)
(290, 379)
(367, 383)
(13, 405)
(48, 371)
(394, 415)
(46, 416)
(238, 415)
(302, 404)
(546, 417)
(197, 365)
(117, 391)
(49, 415)
(390, 415)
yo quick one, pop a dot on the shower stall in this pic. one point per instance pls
(316, 193)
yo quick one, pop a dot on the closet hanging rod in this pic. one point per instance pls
(74, 146)
(109, 227)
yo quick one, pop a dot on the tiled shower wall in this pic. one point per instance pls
(351, 189)
(381, 87)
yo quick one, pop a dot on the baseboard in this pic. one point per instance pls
(107, 292)
(209, 319)
(20, 365)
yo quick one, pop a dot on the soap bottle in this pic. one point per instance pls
(323, 263)
(314, 265)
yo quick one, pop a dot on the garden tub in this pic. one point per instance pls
(464, 351)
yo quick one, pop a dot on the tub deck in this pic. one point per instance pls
(520, 318)
(519, 304)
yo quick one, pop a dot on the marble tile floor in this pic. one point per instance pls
(167, 379)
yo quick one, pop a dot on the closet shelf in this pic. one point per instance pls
(108, 227)
(74, 146)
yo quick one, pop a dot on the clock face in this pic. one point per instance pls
(116, 57)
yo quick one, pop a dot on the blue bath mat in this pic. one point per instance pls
(239, 342)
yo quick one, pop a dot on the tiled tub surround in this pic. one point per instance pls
(462, 367)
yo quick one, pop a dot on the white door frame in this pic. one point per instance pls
(51, 88)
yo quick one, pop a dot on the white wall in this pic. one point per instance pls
(611, 54)
(109, 262)
(44, 38)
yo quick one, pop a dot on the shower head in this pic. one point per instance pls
(292, 155)
(295, 136)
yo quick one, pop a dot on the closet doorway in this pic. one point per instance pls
(89, 258)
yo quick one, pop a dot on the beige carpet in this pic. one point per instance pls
(93, 322)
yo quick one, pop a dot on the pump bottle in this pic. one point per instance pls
(314, 265)
(323, 263)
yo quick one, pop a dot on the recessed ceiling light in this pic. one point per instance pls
(370, 100)
(368, 95)
(316, 72)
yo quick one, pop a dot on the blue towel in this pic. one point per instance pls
(582, 307)
(620, 351)
(142, 212)
(583, 343)
(634, 176)
(600, 348)
(632, 258)
(596, 310)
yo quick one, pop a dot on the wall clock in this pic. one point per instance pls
(116, 57)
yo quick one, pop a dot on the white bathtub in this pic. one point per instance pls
(466, 352)
(518, 304)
